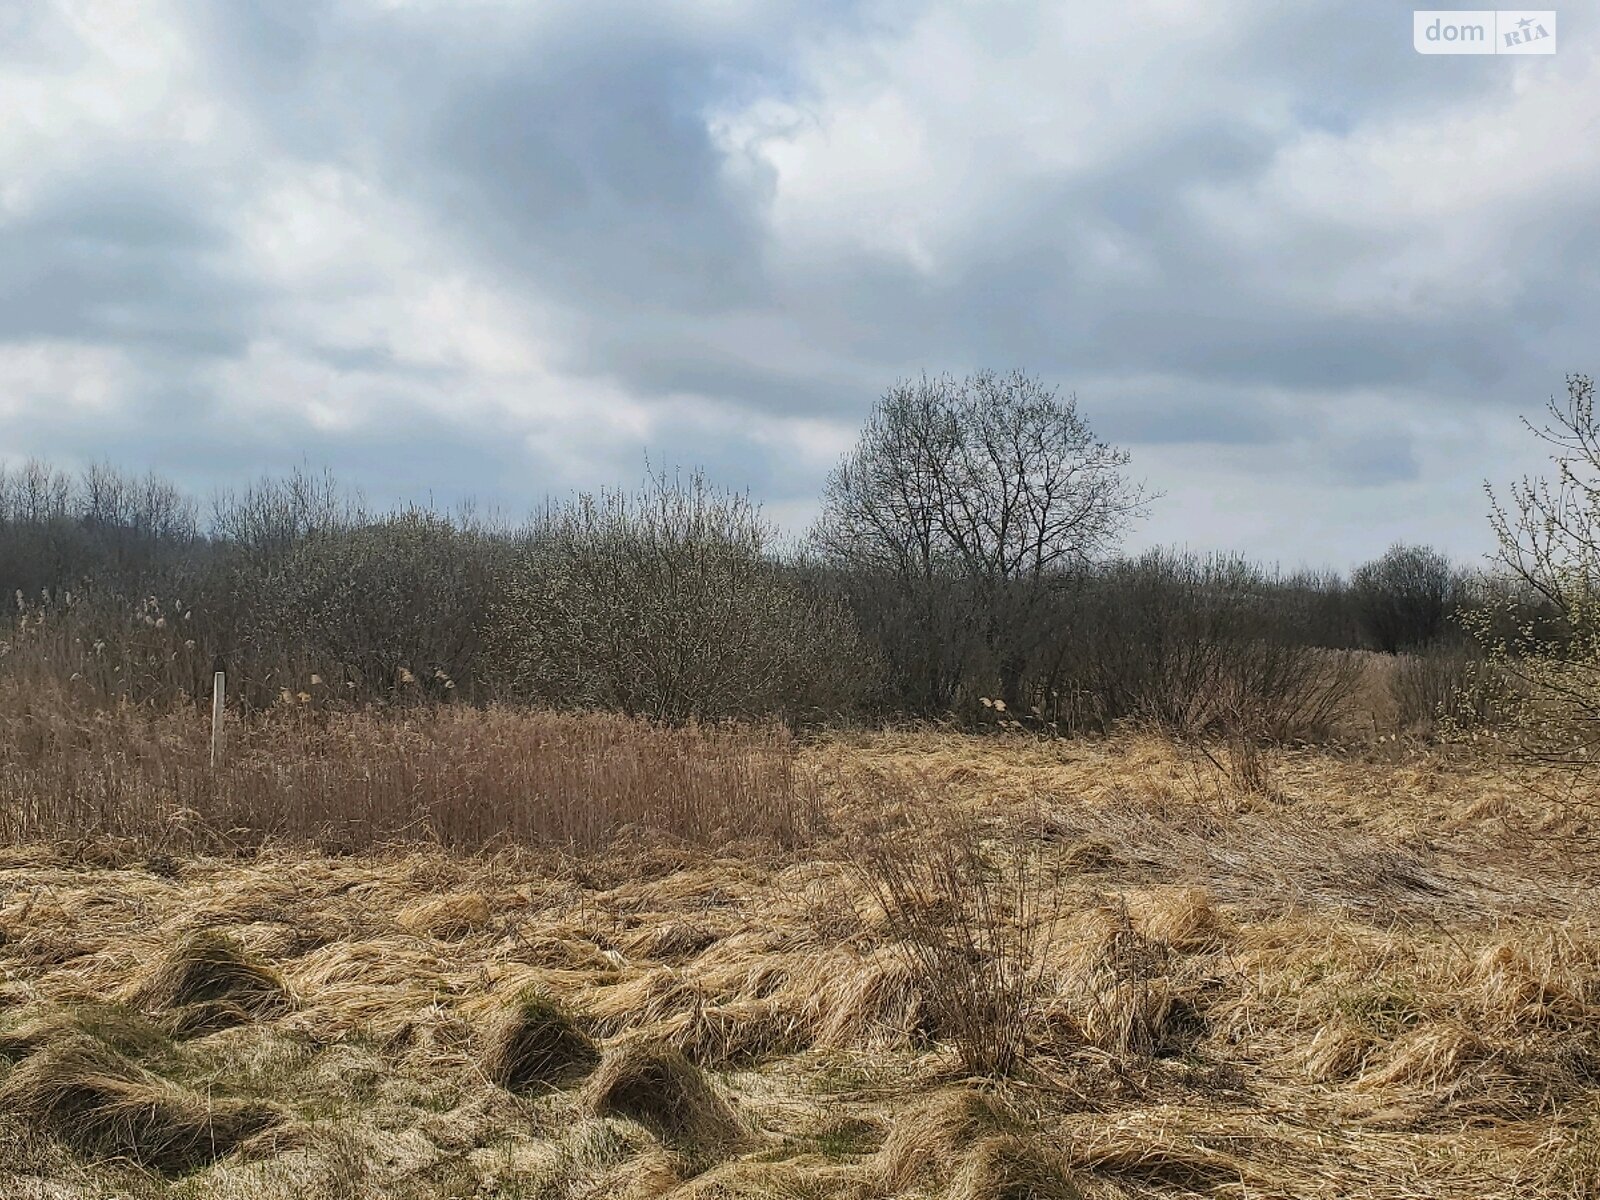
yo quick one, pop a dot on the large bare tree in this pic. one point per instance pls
(989, 490)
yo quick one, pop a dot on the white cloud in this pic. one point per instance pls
(84, 381)
(1308, 275)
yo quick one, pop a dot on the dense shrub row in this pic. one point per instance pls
(965, 564)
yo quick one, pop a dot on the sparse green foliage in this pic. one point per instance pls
(1548, 537)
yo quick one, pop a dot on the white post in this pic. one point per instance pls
(219, 687)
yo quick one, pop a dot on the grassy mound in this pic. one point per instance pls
(865, 1001)
(655, 1085)
(734, 1034)
(535, 1043)
(208, 982)
(124, 1030)
(1009, 1167)
(927, 1143)
(647, 999)
(100, 1104)
(448, 918)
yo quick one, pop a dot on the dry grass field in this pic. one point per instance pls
(328, 971)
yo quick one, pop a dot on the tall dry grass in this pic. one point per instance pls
(972, 916)
(350, 780)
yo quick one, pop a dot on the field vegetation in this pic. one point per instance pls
(631, 853)
(1113, 972)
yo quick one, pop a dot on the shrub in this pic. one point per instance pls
(1195, 645)
(1549, 542)
(1449, 686)
(971, 920)
(1407, 598)
(293, 580)
(667, 605)
(409, 593)
(101, 528)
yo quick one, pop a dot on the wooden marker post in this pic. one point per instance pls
(219, 700)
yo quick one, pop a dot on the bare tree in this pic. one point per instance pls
(265, 521)
(994, 482)
(1549, 536)
(1405, 599)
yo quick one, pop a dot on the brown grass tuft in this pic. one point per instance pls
(738, 1033)
(1337, 1052)
(1185, 919)
(672, 941)
(206, 981)
(927, 1142)
(1140, 1016)
(1518, 990)
(1430, 1058)
(647, 999)
(864, 1001)
(100, 1104)
(1155, 1148)
(448, 918)
(536, 1043)
(123, 1030)
(1008, 1167)
(658, 1087)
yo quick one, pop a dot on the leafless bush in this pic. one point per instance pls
(409, 592)
(973, 918)
(1455, 687)
(294, 582)
(268, 519)
(1549, 544)
(1407, 598)
(1202, 647)
(104, 528)
(667, 604)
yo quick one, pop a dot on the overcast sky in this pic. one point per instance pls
(1308, 277)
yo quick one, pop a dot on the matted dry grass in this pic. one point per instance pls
(1379, 977)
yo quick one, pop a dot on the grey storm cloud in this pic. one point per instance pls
(1308, 277)
(123, 253)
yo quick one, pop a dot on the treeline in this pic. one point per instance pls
(965, 566)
